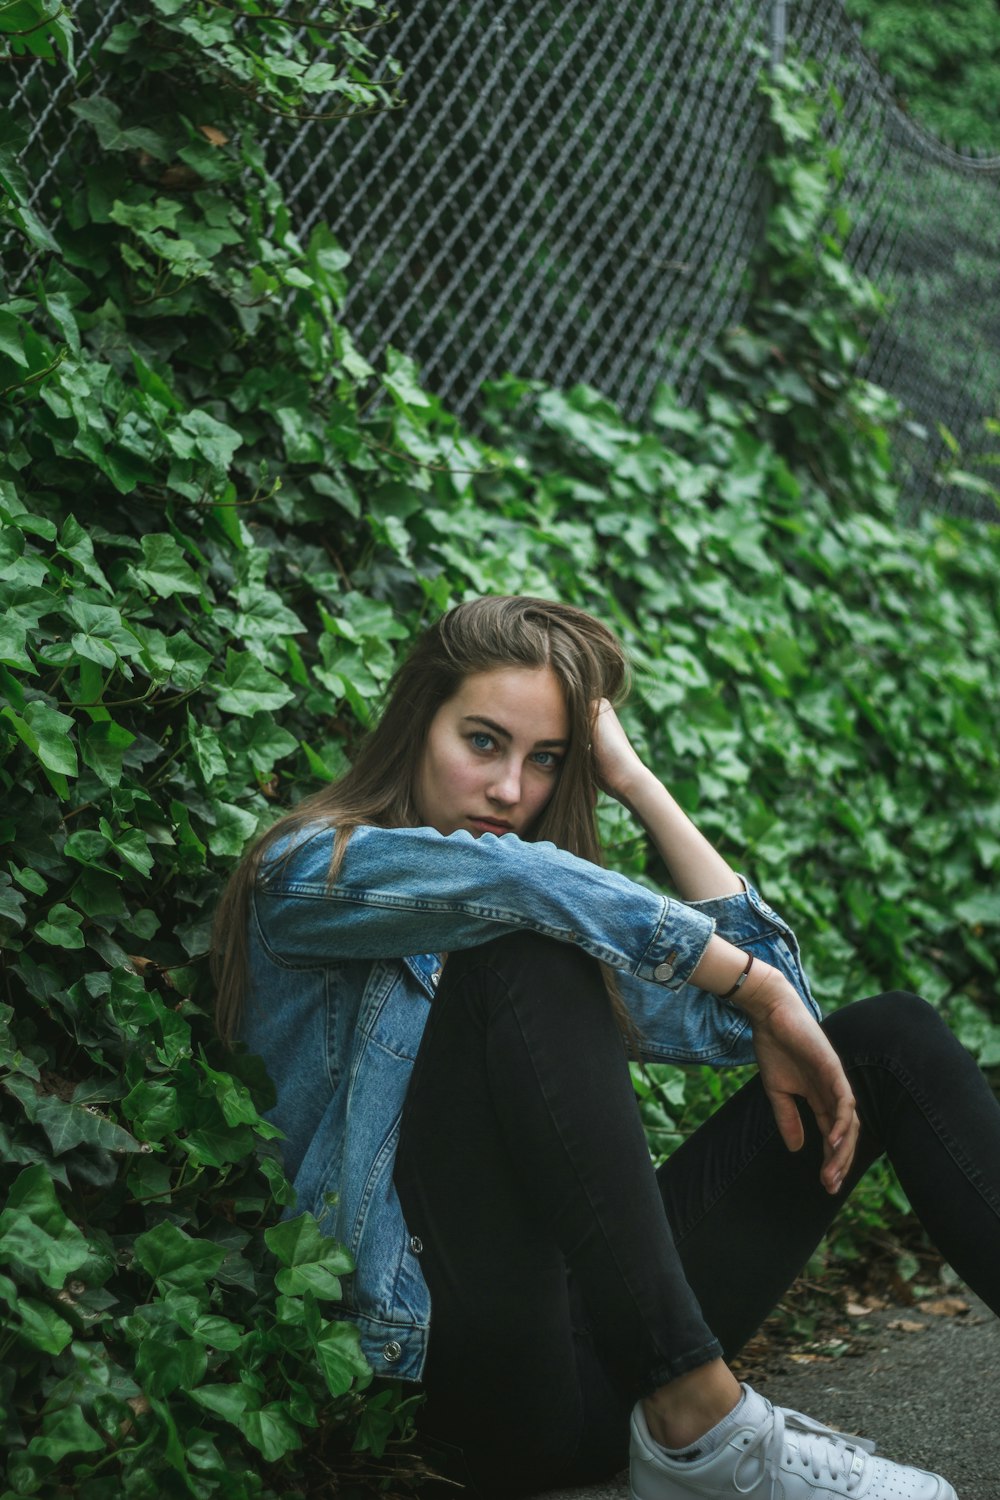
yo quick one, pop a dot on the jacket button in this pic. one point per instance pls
(392, 1352)
(663, 972)
(416, 1244)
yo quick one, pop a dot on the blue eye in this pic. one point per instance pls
(480, 740)
(547, 760)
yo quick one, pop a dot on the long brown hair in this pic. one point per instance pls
(479, 636)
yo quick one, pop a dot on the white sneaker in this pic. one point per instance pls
(775, 1454)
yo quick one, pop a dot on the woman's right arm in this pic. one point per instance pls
(401, 891)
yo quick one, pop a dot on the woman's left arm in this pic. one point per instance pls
(698, 871)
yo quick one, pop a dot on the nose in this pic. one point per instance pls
(505, 790)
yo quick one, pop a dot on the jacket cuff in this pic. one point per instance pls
(678, 945)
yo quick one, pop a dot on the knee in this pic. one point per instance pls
(528, 974)
(526, 959)
(887, 1026)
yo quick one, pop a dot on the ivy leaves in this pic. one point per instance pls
(36, 1233)
(36, 28)
(214, 548)
(157, 680)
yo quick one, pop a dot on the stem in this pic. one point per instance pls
(39, 374)
(158, 777)
(45, 21)
(420, 463)
(57, 679)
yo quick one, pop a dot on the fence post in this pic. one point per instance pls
(779, 31)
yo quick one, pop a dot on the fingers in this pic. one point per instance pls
(839, 1125)
(788, 1120)
(797, 1062)
(839, 1145)
(834, 1108)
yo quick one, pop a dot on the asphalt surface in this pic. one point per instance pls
(928, 1392)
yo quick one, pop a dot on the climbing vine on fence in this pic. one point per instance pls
(219, 527)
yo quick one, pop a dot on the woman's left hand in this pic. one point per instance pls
(796, 1061)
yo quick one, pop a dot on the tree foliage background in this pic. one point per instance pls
(219, 527)
(944, 60)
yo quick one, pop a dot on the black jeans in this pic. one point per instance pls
(567, 1278)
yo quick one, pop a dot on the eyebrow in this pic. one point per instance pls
(506, 734)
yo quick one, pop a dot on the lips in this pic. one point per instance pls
(491, 825)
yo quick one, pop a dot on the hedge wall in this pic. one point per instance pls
(219, 527)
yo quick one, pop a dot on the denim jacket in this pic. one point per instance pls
(342, 975)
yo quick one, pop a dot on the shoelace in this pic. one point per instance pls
(818, 1446)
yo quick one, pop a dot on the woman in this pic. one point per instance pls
(439, 974)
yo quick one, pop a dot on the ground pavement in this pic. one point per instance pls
(926, 1387)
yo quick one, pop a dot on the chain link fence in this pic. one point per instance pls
(573, 192)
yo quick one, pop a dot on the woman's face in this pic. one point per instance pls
(493, 753)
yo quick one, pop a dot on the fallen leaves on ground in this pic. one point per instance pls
(945, 1307)
(820, 1321)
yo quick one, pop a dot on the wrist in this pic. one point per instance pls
(722, 970)
(636, 787)
(764, 990)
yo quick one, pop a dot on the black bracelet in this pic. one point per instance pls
(740, 982)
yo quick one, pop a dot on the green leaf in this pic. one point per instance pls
(209, 755)
(164, 568)
(979, 909)
(317, 765)
(234, 828)
(335, 486)
(302, 434)
(65, 1432)
(226, 1401)
(270, 743)
(247, 686)
(131, 843)
(12, 339)
(71, 1125)
(13, 648)
(217, 1144)
(402, 381)
(11, 551)
(51, 732)
(153, 1108)
(102, 748)
(337, 1347)
(176, 1260)
(11, 903)
(314, 1263)
(271, 1431)
(176, 658)
(371, 618)
(34, 1230)
(218, 1333)
(105, 116)
(235, 1101)
(213, 440)
(165, 1366)
(75, 544)
(61, 928)
(42, 1326)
